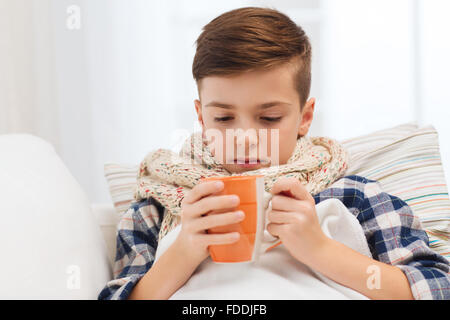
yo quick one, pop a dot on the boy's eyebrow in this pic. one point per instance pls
(261, 106)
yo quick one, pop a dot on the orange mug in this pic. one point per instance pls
(253, 203)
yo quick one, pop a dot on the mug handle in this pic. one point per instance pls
(267, 243)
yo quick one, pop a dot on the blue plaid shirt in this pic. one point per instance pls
(394, 235)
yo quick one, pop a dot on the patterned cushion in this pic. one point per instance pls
(408, 165)
(121, 179)
(405, 160)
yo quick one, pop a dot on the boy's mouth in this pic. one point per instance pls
(247, 161)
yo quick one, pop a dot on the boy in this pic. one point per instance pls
(253, 71)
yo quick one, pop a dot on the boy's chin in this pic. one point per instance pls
(236, 168)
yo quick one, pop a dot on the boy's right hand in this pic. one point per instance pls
(195, 220)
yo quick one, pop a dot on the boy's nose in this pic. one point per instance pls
(247, 140)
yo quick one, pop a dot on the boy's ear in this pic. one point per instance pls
(307, 117)
(198, 109)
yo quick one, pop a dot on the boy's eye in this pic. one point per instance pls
(223, 119)
(271, 119)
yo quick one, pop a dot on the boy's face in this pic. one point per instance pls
(242, 102)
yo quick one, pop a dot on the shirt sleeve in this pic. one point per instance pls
(137, 240)
(395, 236)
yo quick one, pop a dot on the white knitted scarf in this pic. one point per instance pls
(166, 176)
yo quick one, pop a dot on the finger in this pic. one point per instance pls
(202, 190)
(280, 217)
(220, 238)
(275, 229)
(285, 203)
(292, 187)
(210, 203)
(220, 219)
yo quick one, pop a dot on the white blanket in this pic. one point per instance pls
(276, 275)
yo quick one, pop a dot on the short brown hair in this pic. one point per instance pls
(252, 38)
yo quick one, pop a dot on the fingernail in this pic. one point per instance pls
(219, 184)
(240, 214)
(234, 199)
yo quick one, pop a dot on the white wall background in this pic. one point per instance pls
(121, 84)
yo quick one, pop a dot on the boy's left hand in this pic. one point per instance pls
(293, 219)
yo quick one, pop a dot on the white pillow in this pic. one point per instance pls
(360, 145)
(107, 218)
(51, 245)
